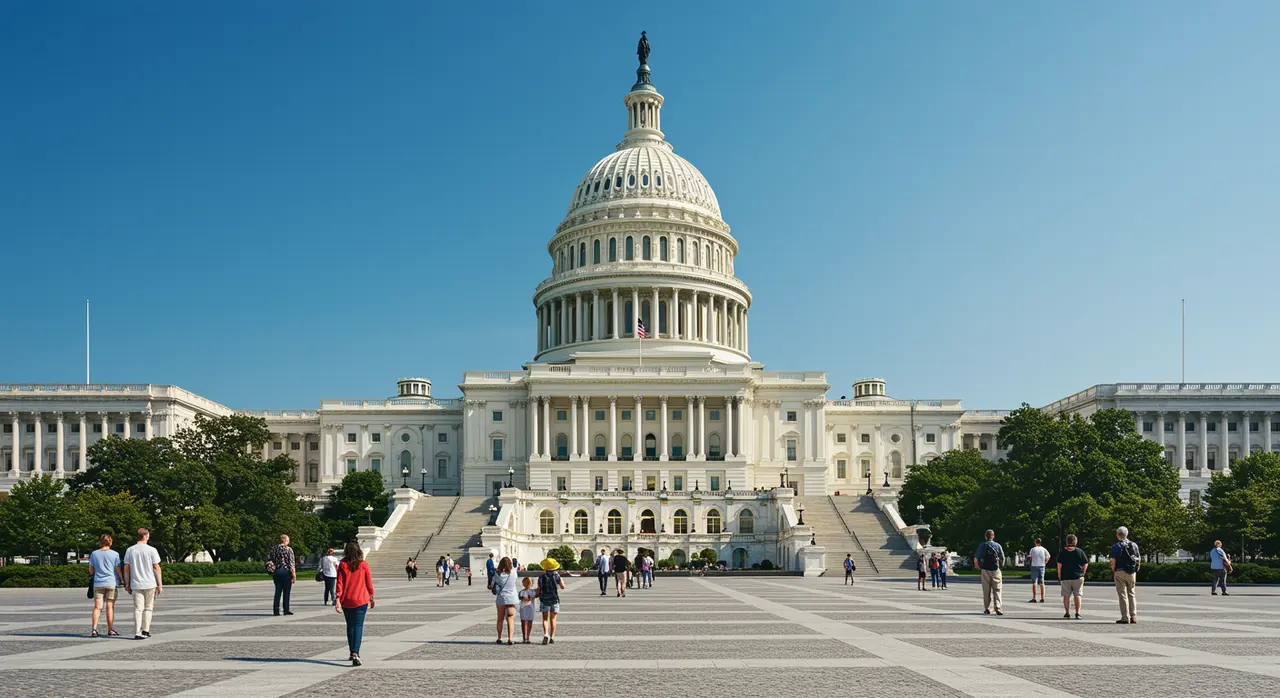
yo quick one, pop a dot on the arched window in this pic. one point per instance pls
(662, 248)
(598, 448)
(650, 447)
(895, 462)
(746, 522)
(626, 447)
(678, 557)
(618, 183)
(581, 524)
(546, 522)
(597, 187)
(677, 447)
(713, 521)
(706, 256)
(680, 250)
(696, 256)
(681, 521)
(615, 522)
(631, 248)
(644, 180)
(562, 447)
(582, 254)
(606, 185)
(740, 558)
(406, 461)
(560, 265)
(595, 251)
(647, 524)
(631, 180)
(613, 249)
(646, 248)
(713, 447)
(659, 182)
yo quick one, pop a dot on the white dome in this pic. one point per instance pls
(644, 172)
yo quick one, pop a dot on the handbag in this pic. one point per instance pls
(319, 575)
(89, 595)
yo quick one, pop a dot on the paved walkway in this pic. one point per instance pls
(732, 636)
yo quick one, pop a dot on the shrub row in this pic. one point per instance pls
(66, 576)
(213, 569)
(1187, 572)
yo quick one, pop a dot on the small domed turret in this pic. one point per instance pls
(413, 387)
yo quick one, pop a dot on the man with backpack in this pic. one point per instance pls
(989, 558)
(849, 567)
(1125, 561)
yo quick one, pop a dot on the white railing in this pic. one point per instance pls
(440, 403)
(132, 388)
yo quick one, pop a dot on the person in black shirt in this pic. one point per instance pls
(1072, 565)
(620, 564)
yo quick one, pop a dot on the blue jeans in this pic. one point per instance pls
(355, 626)
(935, 578)
(943, 577)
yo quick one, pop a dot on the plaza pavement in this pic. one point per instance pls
(738, 636)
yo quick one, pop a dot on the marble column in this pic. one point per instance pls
(1246, 447)
(534, 450)
(1202, 459)
(17, 444)
(106, 424)
(1160, 431)
(1224, 446)
(613, 427)
(635, 317)
(549, 448)
(597, 316)
(662, 445)
(614, 312)
(147, 428)
(730, 443)
(637, 440)
(128, 426)
(1266, 432)
(1181, 427)
(804, 449)
(690, 437)
(573, 428)
(38, 446)
(60, 455)
(655, 316)
(702, 428)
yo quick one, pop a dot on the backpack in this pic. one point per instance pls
(547, 591)
(989, 560)
(1127, 560)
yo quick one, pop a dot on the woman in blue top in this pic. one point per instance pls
(104, 565)
(942, 568)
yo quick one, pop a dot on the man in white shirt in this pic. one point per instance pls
(1037, 558)
(649, 580)
(602, 569)
(329, 570)
(143, 580)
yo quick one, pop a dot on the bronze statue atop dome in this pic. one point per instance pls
(642, 49)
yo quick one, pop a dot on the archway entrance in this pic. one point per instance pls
(647, 522)
(740, 558)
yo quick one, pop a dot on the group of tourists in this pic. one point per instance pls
(138, 572)
(510, 592)
(627, 574)
(936, 566)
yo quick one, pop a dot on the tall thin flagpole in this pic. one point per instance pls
(86, 341)
(1184, 340)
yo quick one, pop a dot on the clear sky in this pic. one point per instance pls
(271, 203)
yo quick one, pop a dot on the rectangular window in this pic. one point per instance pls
(31, 428)
(351, 437)
(865, 438)
(1148, 426)
(1213, 460)
(275, 445)
(376, 437)
(677, 415)
(677, 483)
(1253, 427)
(562, 415)
(982, 445)
(841, 469)
(715, 483)
(442, 437)
(375, 464)
(8, 428)
(626, 483)
(1168, 426)
(866, 468)
(1191, 427)
(53, 428)
(600, 452)
(295, 445)
(841, 438)
(650, 415)
(930, 438)
(651, 483)
(314, 445)
(714, 416)
(120, 428)
(97, 428)
(1231, 427)
(599, 483)
(791, 449)
(139, 428)
(1275, 427)
(626, 415)
(497, 449)
(1211, 426)
(791, 415)
(442, 468)
(599, 415)
(351, 465)
(75, 428)
(497, 415)
(626, 452)
(562, 484)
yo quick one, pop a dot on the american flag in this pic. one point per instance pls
(641, 332)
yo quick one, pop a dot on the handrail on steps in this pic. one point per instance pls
(840, 515)
(439, 528)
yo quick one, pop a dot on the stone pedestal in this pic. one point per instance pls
(812, 560)
(370, 538)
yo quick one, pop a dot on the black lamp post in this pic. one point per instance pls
(424, 480)
(511, 474)
(868, 480)
(886, 478)
(368, 511)
(404, 472)
(919, 514)
(800, 511)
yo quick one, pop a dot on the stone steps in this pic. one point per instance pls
(882, 542)
(831, 533)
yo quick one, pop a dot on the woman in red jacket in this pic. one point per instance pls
(354, 596)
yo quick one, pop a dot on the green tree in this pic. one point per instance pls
(709, 556)
(38, 519)
(1243, 507)
(345, 512)
(118, 514)
(944, 486)
(564, 555)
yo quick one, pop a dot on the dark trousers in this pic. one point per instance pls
(329, 595)
(942, 576)
(604, 583)
(284, 584)
(355, 626)
(935, 578)
(1219, 580)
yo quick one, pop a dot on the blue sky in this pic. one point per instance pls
(270, 203)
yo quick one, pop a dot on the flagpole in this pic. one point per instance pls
(1184, 340)
(86, 341)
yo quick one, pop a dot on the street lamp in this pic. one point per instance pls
(919, 514)
(424, 480)
(800, 511)
(868, 480)
(886, 478)
(368, 511)
(786, 476)
(404, 471)
(511, 474)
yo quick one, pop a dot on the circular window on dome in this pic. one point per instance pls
(631, 180)
(618, 183)
(895, 438)
(404, 437)
(644, 181)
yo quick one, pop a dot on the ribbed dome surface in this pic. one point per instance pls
(644, 172)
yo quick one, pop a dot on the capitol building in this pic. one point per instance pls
(641, 421)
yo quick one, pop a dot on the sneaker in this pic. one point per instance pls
(1077, 616)
(1041, 600)
(288, 613)
(139, 637)
(146, 633)
(1213, 593)
(1225, 594)
(1032, 601)
(553, 641)
(999, 612)
(355, 661)
(985, 612)
(546, 640)
(1066, 615)
(1122, 621)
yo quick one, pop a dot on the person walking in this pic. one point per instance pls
(408, 569)
(1037, 558)
(943, 568)
(849, 567)
(490, 569)
(549, 586)
(104, 565)
(527, 595)
(448, 568)
(143, 580)
(280, 563)
(506, 596)
(648, 559)
(603, 568)
(353, 596)
(989, 557)
(638, 566)
(1125, 561)
(620, 572)
(921, 565)
(329, 574)
(1072, 566)
(1220, 565)
(440, 571)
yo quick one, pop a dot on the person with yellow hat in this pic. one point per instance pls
(549, 586)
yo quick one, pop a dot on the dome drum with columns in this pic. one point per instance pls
(643, 245)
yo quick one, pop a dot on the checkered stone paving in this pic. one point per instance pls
(773, 635)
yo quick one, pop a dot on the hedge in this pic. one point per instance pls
(64, 576)
(1189, 572)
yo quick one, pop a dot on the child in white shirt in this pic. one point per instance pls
(527, 595)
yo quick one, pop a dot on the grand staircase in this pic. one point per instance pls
(855, 525)
(436, 526)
